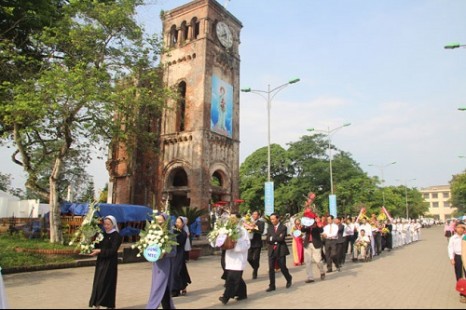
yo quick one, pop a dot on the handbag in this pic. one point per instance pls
(461, 286)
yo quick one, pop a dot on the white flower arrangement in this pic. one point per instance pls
(89, 233)
(224, 226)
(156, 233)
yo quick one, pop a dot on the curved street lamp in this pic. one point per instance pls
(450, 47)
(329, 132)
(383, 181)
(332, 199)
(268, 95)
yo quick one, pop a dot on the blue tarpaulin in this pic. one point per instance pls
(122, 212)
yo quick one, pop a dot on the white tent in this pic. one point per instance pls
(7, 202)
(13, 206)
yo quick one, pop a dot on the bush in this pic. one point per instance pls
(11, 259)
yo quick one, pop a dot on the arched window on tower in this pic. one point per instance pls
(184, 32)
(195, 25)
(173, 36)
(180, 178)
(181, 113)
(216, 179)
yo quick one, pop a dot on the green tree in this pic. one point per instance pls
(5, 185)
(96, 63)
(304, 168)
(310, 171)
(253, 175)
(103, 194)
(5, 182)
(458, 193)
(89, 194)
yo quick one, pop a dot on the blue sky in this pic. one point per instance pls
(379, 65)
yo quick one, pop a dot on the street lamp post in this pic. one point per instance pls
(406, 195)
(450, 47)
(268, 95)
(454, 45)
(328, 132)
(383, 181)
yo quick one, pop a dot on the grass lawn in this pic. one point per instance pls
(9, 258)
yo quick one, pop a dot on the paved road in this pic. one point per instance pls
(415, 276)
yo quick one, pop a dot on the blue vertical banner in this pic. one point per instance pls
(332, 203)
(268, 186)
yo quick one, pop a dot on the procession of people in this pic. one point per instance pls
(326, 242)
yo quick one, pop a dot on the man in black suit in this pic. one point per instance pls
(277, 251)
(313, 249)
(340, 241)
(254, 252)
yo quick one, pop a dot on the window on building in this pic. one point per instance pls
(195, 25)
(446, 204)
(181, 115)
(173, 36)
(184, 32)
(426, 195)
(435, 204)
(216, 179)
(434, 195)
(446, 195)
(180, 178)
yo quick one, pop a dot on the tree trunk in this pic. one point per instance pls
(56, 232)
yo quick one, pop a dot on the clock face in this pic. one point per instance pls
(224, 34)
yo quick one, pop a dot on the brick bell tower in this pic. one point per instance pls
(199, 132)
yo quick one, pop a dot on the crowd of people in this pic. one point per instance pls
(346, 238)
(324, 241)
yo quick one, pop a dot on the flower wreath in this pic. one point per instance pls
(89, 233)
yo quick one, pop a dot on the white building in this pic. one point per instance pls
(438, 197)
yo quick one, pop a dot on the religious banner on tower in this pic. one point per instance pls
(221, 109)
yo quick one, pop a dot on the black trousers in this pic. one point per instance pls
(166, 298)
(341, 252)
(254, 255)
(282, 264)
(378, 242)
(222, 262)
(331, 253)
(235, 285)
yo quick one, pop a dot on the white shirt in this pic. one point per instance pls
(454, 246)
(334, 231)
(349, 229)
(236, 258)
